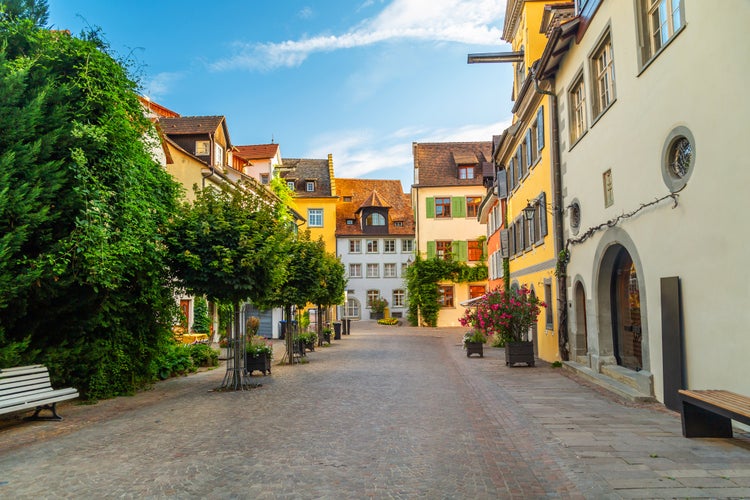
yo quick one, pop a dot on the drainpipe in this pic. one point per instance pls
(562, 290)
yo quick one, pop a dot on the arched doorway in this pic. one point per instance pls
(581, 347)
(625, 303)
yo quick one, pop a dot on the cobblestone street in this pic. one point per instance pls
(387, 412)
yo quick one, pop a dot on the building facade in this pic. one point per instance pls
(650, 117)
(375, 242)
(447, 192)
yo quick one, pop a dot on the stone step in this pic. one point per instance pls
(624, 390)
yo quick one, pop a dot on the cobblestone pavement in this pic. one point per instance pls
(387, 412)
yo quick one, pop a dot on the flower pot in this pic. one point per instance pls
(474, 348)
(260, 362)
(519, 352)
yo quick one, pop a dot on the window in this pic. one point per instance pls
(372, 246)
(476, 291)
(548, 316)
(347, 199)
(389, 270)
(660, 21)
(404, 267)
(349, 222)
(398, 298)
(407, 246)
(472, 206)
(373, 270)
(466, 171)
(475, 250)
(310, 186)
(315, 217)
(398, 223)
(371, 296)
(202, 148)
(355, 246)
(445, 295)
(352, 308)
(355, 270)
(290, 185)
(218, 155)
(389, 246)
(603, 67)
(264, 179)
(442, 207)
(577, 104)
(678, 158)
(443, 250)
(375, 219)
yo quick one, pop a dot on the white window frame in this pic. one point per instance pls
(398, 297)
(389, 270)
(355, 270)
(577, 106)
(355, 246)
(603, 75)
(407, 246)
(310, 186)
(389, 246)
(202, 148)
(373, 270)
(373, 244)
(315, 217)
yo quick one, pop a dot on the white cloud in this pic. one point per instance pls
(460, 21)
(161, 84)
(305, 13)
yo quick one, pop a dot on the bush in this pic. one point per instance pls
(175, 360)
(204, 355)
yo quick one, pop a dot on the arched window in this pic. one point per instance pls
(375, 219)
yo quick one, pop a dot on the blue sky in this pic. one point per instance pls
(361, 79)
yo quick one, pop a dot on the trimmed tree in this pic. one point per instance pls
(229, 246)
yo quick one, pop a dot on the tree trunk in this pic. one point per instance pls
(235, 377)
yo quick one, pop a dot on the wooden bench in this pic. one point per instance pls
(25, 387)
(709, 413)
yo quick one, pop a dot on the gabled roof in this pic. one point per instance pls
(366, 193)
(257, 151)
(374, 200)
(437, 162)
(308, 169)
(189, 125)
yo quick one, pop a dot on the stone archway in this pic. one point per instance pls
(621, 319)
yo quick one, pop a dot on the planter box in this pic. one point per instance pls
(474, 348)
(377, 315)
(519, 352)
(261, 363)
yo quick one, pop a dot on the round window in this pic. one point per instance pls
(678, 158)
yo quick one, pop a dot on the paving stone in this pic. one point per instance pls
(383, 413)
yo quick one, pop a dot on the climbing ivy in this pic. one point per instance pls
(422, 278)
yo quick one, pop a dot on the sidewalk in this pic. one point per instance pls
(387, 412)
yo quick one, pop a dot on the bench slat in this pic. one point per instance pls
(62, 395)
(727, 400)
(26, 371)
(20, 368)
(9, 394)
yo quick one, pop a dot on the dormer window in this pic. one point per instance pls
(310, 186)
(218, 155)
(375, 219)
(466, 171)
(290, 185)
(347, 199)
(202, 148)
(399, 223)
(349, 222)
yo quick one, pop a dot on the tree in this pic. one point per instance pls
(82, 208)
(201, 321)
(229, 246)
(331, 284)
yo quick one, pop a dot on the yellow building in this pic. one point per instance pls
(447, 191)
(314, 186)
(527, 155)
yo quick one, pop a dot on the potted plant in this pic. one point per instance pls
(509, 315)
(258, 355)
(377, 308)
(307, 340)
(327, 332)
(474, 343)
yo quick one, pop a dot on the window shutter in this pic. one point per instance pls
(505, 243)
(540, 129)
(519, 164)
(458, 206)
(543, 213)
(502, 185)
(431, 249)
(461, 249)
(529, 153)
(512, 240)
(512, 174)
(430, 208)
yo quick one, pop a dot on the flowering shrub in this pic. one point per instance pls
(509, 315)
(257, 345)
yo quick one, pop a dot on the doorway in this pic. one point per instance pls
(582, 343)
(625, 301)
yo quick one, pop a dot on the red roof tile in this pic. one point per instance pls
(362, 193)
(435, 163)
(257, 151)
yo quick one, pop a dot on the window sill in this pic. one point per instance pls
(574, 142)
(651, 59)
(603, 112)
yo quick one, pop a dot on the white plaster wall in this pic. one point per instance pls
(698, 82)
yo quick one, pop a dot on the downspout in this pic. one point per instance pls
(560, 270)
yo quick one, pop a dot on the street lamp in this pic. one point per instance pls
(529, 211)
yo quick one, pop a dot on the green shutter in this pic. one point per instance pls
(461, 249)
(430, 208)
(458, 206)
(431, 249)
(540, 129)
